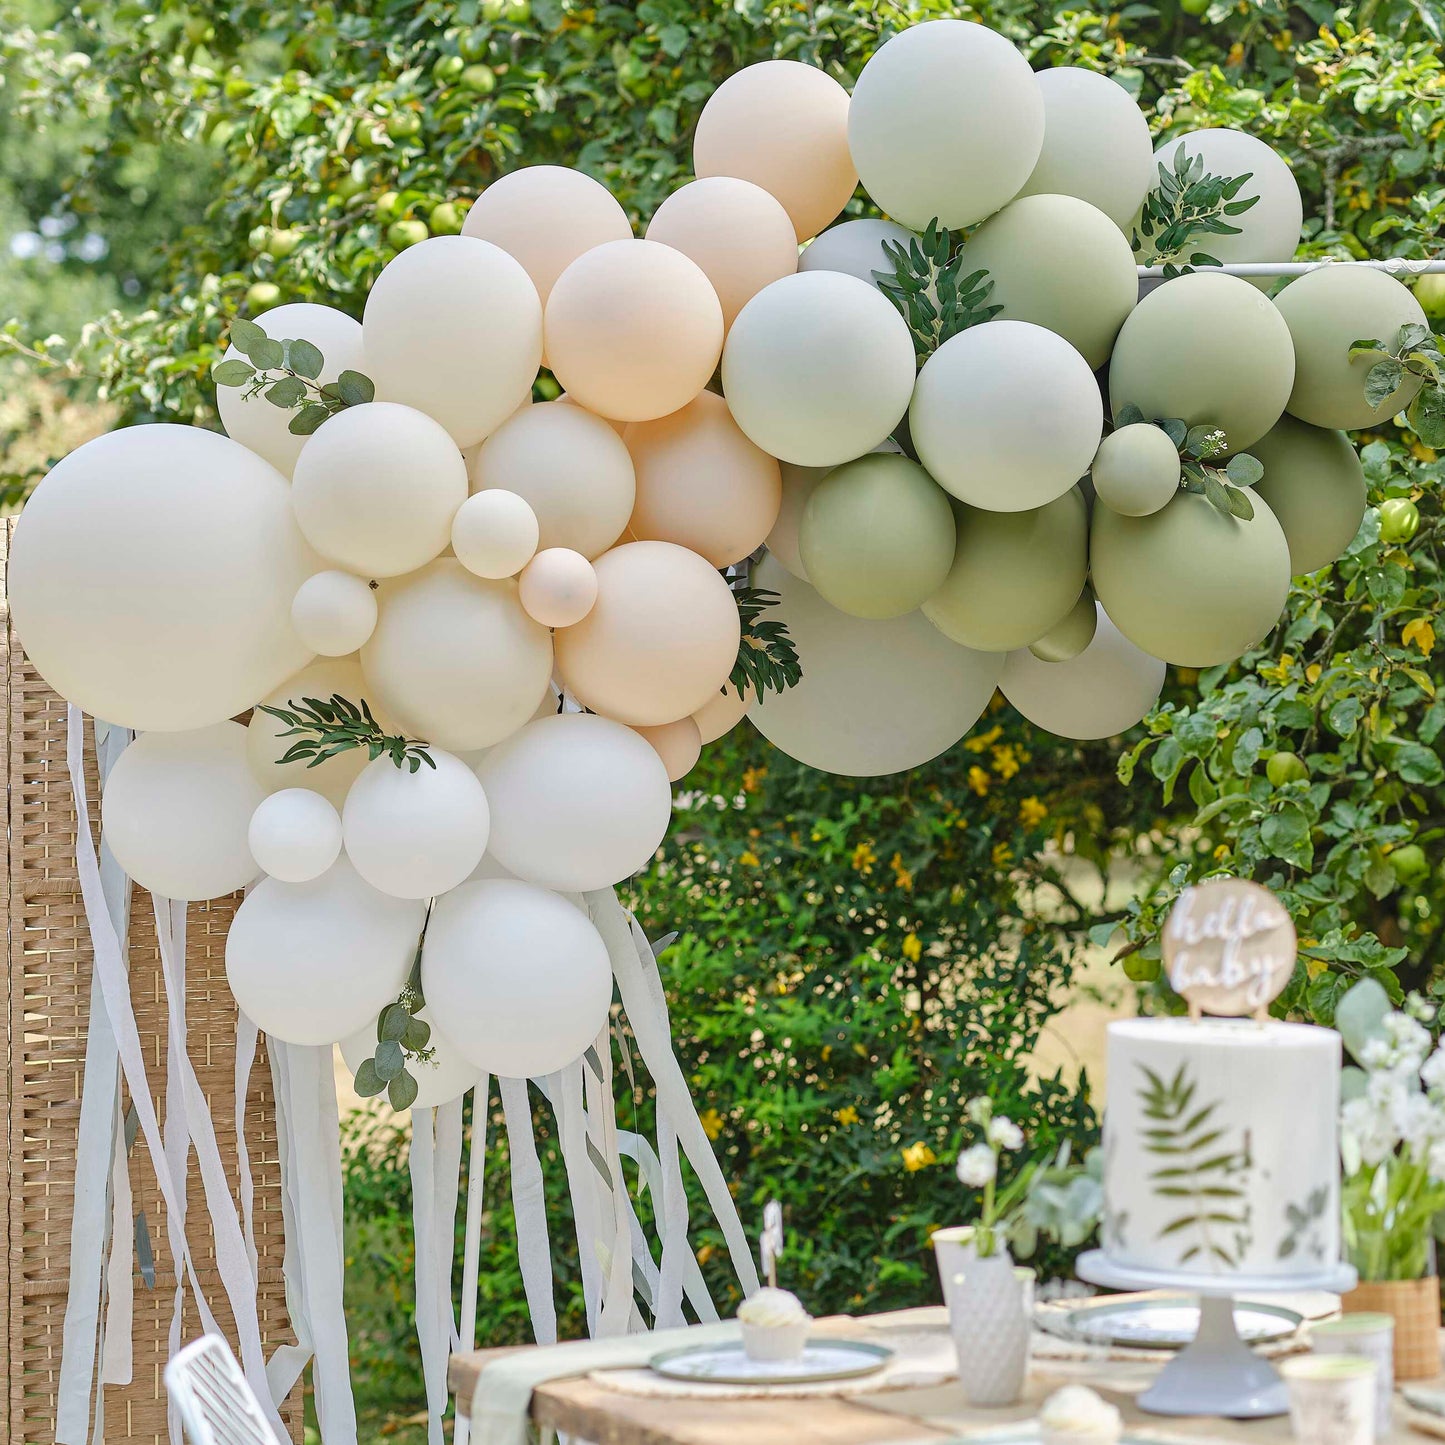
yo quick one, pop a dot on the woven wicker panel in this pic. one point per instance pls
(44, 1007)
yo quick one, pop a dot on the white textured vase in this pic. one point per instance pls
(990, 1311)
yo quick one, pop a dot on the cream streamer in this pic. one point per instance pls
(564, 1089)
(422, 1166)
(529, 1205)
(287, 1362)
(472, 1235)
(618, 1313)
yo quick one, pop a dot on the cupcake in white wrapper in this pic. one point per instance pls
(775, 1325)
(1075, 1415)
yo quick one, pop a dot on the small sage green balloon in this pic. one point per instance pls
(1015, 575)
(1327, 310)
(1136, 470)
(1315, 485)
(1061, 263)
(1188, 584)
(1071, 636)
(877, 536)
(1206, 348)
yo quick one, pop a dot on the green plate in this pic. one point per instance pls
(823, 1359)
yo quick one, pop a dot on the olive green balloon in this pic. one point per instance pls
(877, 536)
(1015, 575)
(1189, 584)
(1136, 470)
(1061, 263)
(1207, 348)
(1327, 310)
(1315, 485)
(1071, 636)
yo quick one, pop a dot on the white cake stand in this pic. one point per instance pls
(1218, 1374)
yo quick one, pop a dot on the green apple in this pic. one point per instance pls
(479, 79)
(446, 219)
(1138, 969)
(1399, 520)
(259, 239)
(352, 183)
(1285, 768)
(262, 296)
(282, 243)
(1430, 293)
(403, 125)
(1409, 863)
(448, 67)
(402, 234)
(388, 206)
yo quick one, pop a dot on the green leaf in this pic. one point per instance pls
(368, 1082)
(1217, 493)
(417, 1036)
(1381, 381)
(245, 334)
(402, 1091)
(304, 358)
(355, 389)
(389, 1059)
(1426, 416)
(234, 372)
(1360, 1014)
(1128, 415)
(1417, 764)
(1239, 503)
(308, 419)
(391, 1027)
(1244, 470)
(1174, 429)
(1286, 835)
(285, 393)
(266, 353)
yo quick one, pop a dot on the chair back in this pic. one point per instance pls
(217, 1406)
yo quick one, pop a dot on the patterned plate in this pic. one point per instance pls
(728, 1364)
(1171, 1324)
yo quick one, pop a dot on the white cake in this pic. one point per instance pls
(1221, 1147)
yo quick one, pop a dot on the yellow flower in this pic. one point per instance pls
(752, 779)
(1236, 54)
(1032, 812)
(1312, 672)
(1221, 853)
(846, 1115)
(1002, 854)
(902, 877)
(864, 858)
(712, 1123)
(1277, 672)
(918, 1156)
(1420, 634)
(912, 948)
(978, 780)
(984, 741)
(1005, 763)
(749, 858)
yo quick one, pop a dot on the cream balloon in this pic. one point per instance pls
(377, 488)
(455, 658)
(782, 541)
(1314, 484)
(521, 977)
(1096, 143)
(1006, 416)
(453, 327)
(416, 833)
(495, 533)
(678, 744)
(1136, 470)
(661, 639)
(175, 809)
(783, 126)
(333, 613)
(443, 1076)
(558, 587)
(570, 466)
(738, 234)
(722, 712)
(252, 420)
(847, 714)
(295, 835)
(946, 122)
(311, 963)
(855, 248)
(1099, 693)
(546, 217)
(702, 483)
(1070, 637)
(151, 574)
(578, 802)
(634, 330)
(818, 368)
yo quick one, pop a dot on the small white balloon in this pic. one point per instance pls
(494, 534)
(334, 612)
(295, 835)
(445, 1076)
(855, 248)
(416, 833)
(678, 744)
(557, 587)
(521, 977)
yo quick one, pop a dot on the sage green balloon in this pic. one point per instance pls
(877, 536)
(1315, 485)
(1136, 470)
(1015, 575)
(1061, 263)
(1327, 310)
(1071, 636)
(1207, 348)
(1188, 584)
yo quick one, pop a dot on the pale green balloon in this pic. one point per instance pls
(877, 536)
(1327, 310)
(1188, 584)
(1061, 263)
(1015, 575)
(1207, 348)
(1136, 470)
(1071, 636)
(1315, 486)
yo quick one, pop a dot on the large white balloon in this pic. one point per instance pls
(1101, 692)
(578, 802)
(295, 835)
(445, 1076)
(845, 715)
(453, 327)
(175, 811)
(416, 834)
(522, 978)
(855, 248)
(151, 578)
(311, 963)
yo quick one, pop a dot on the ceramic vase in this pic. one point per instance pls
(990, 1312)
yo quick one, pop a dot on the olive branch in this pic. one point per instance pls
(285, 373)
(1221, 485)
(767, 659)
(1185, 205)
(1414, 352)
(932, 295)
(324, 729)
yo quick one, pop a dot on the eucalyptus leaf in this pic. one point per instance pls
(308, 419)
(286, 393)
(1360, 1015)
(368, 1082)
(266, 353)
(1244, 470)
(402, 1091)
(245, 334)
(391, 1027)
(304, 358)
(1239, 503)
(234, 372)
(1128, 415)
(355, 389)
(390, 1060)
(417, 1036)
(1174, 429)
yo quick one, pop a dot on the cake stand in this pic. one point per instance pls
(1218, 1374)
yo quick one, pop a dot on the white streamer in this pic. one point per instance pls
(472, 1243)
(534, 1253)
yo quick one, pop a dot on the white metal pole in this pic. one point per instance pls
(1395, 265)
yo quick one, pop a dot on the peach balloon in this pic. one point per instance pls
(633, 330)
(798, 484)
(678, 744)
(737, 232)
(557, 587)
(701, 483)
(661, 639)
(720, 713)
(618, 426)
(546, 217)
(783, 126)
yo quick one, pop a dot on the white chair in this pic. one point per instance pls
(217, 1406)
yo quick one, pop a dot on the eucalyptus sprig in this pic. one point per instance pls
(285, 373)
(401, 1038)
(324, 729)
(767, 659)
(1221, 483)
(932, 295)
(1184, 206)
(1415, 351)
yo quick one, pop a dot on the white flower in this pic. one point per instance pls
(1004, 1133)
(1432, 1071)
(1370, 1129)
(979, 1110)
(1435, 1161)
(977, 1166)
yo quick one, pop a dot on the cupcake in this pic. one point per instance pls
(775, 1325)
(1075, 1415)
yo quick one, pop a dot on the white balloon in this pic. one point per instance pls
(311, 963)
(334, 612)
(175, 810)
(443, 1077)
(855, 248)
(875, 697)
(578, 802)
(295, 835)
(558, 587)
(453, 327)
(494, 534)
(151, 576)
(254, 421)
(521, 977)
(378, 487)
(1101, 692)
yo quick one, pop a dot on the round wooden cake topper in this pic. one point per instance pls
(1229, 947)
